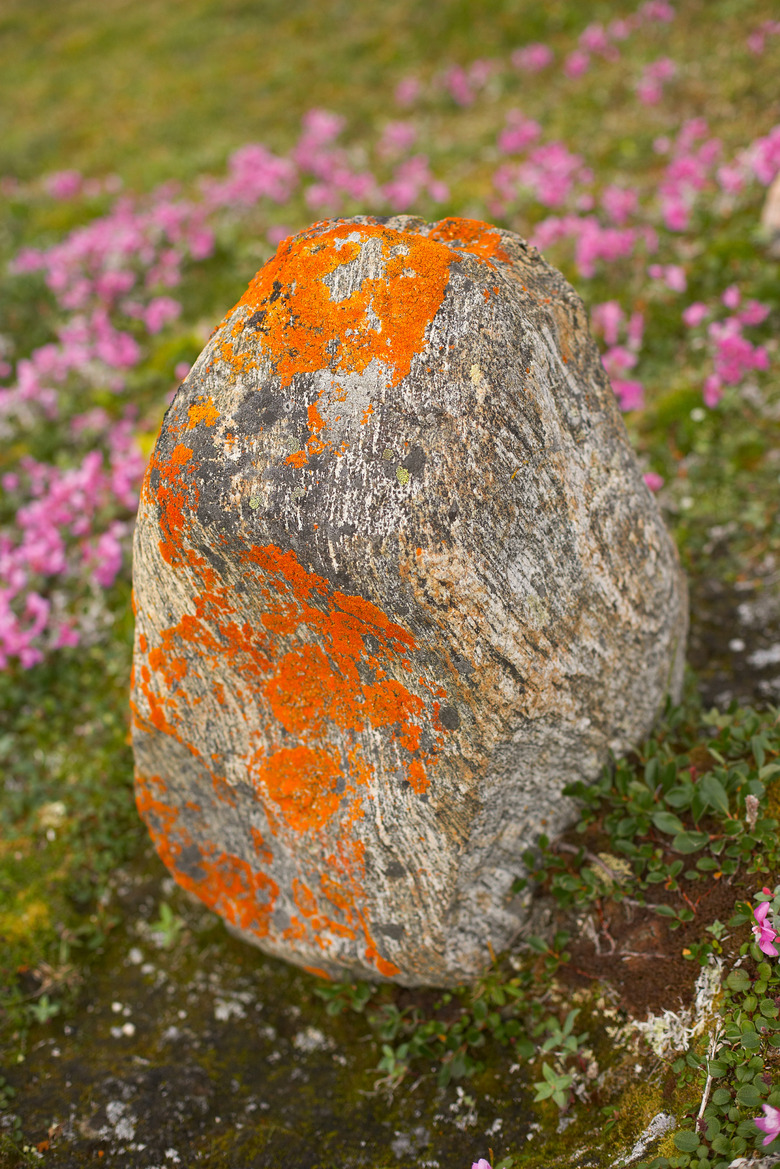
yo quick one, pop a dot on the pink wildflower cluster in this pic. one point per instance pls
(55, 538)
(413, 178)
(756, 40)
(550, 173)
(733, 356)
(518, 133)
(672, 275)
(254, 173)
(594, 243)
(688, 173)
(649, 88)
(622, 335)
(596, 40)
(532, 58)
(463, 84)
(396, 138)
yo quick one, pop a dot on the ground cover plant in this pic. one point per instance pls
(635, 146)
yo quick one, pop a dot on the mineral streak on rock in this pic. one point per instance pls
(398, 580)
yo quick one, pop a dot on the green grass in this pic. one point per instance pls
(153, 89)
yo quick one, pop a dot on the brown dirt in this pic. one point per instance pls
(636, 951)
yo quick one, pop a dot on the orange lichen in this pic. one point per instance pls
(174, 497)
(205, 412)
(472, 235)
(306, 329)
(301, 782)
(318, 972)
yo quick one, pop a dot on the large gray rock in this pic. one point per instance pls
(398, 580)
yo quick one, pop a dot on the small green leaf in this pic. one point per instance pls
(738, 979)
(680, 796)
(714, 793)
(687, 842)
(751, 1041)
(667, 822)
(721, 1095)
(717, 1068)
(748, 1096)
(686, 1142)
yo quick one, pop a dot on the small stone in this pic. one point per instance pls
(355, 709)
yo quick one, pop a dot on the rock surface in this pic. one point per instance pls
(398, 580)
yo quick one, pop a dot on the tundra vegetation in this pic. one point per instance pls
(155, 158)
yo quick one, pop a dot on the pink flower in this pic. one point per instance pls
(576, 63)
(64, 184)
(653, 480)
(407, 91)
(483, 1164)
(532, 58)
(765, 936)
(618, 204)
(518, 133)
(458, 85)
(658, 10)
(770, 1124)
(731, 297)
(630, 394)
(397, 137)
(673, 276)
(712, 391)
(695, 314)
(753, 313)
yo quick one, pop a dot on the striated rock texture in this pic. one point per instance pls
(398, 580)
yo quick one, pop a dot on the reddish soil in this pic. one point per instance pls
(635, 951)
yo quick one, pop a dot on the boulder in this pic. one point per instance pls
(398, 580)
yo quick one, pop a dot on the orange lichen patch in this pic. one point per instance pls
(239, 363)
(261, 848)
(159, 816)
(305, 329)
(175, 499)
(172, 669)
(388, 704)
(318, 972)
(228, 884)
(306, 693)
(296, 930)
(297, 459)
(205, 412)
(301, 783)
(418, 777)
(472, 235)
(234, 889)
(370, 614)
(304, 898)
(157, 707)
(316, 421)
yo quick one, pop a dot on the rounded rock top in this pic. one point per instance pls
(398, 580)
